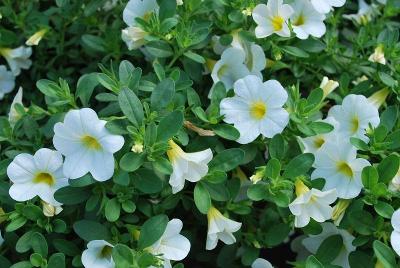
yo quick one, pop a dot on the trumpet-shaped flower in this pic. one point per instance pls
(313, 242)
(36, 37)
(86, 144)
(13, 115)
(261, 263)
(172, 245)
(364, 14)
(187, 166)
(134, 37)
(272, 18)
(36, 175)
(98, 255)
(220, 228)
(314, 143)
(325, 6)
(379, 97)
(7, 81)
(256, 108)
(328, 86)
(306, 20)
(17, 58)
(354, 116)
(378, 56)
(338, 164)
(395, 236)
(138, 9)
(311, 204)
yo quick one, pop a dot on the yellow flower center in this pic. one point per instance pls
(299, 21)
(212, 214)
(258, 109)
(345, 169)
(91, 142)
(224, 68)
(44, 177)
(277, 23)
(354, 124)
(318, 142)
(5, 51)
(106, 252)
(301, 188)
(175, 151)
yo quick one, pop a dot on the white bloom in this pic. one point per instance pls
(17, 58)
(364, 14)
(172, 245)
(98, 255)
(7, 81)
(133, 36)
(314, 143)
(13, 115)
(49, 210)
(272, 18)
(354, 115)
(38, 175)
(261, 263)
(220, 228)
(138, 9)
(337, 163)
(306, 20)
(187, 166)
(256, 108)
(378, 56)
(86, 144)
(324, 6)
(36, 37)
(394, 185)
(328, 86)
(395, 236)
(313, 242)
(311, 204)
(379, 97)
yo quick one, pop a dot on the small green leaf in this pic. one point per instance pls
(112, 210)
(91, 230)
(299, 165)
(132, 161)
(226, 131)
(131, 106)
(388, 168)
(152, 230)
(202, 198)
(330, 248)
(162, 94)
(169, 126)
(384, 254)
(227, 160)
(369, 177)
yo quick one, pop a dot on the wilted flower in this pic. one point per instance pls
(49, 210)
(137, 147)
(328, 86)
(36, 37)
(98, 255)
(378, 56)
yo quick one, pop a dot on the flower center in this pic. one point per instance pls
(258, 110)
(277, 23)
(345, 169)
(44, 177)
(299, 21)
(318, 142)
(354, 124)
(175, 151)
(300, 188)
(106, 252)
(91, 142)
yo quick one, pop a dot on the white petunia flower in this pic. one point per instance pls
(187, 166)
(134, 37)
(86, 144)
(379, 97)
(261, 263)
(7, 81)
(17, 58)
(13, 115)
(314, 143)
(354, 115)
(328, 86)
(325, 6)
(172, 245)
(313, 242)
(378, 56)
(395, 236)
(306, 20)
(220, 228)
(364, 14)
(272, 18)
(138, 9)
(256, 108)
(312, 203)
(98, 255)
(36, 175)
(36, 37)
(337, 163)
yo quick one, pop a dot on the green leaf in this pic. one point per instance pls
(294, 51)
(369, 177)
(387, 79)
(273, 168)
(90, 230)
(93, 42)
(330, 248)
(85, 87)
(277, 234)
(257, 192)
(384, 209)
(226, 131)
(362, 222)
(388, 168)
(195, 57)
(313, 262)
(389, 117)
(147, 181)
(359, 144)
(384, 254)
(299, 165)
(159, 49)
(321, 127)
(202, 198)
(167, 9)
(39, 244)
(276, 147)
(132, 161)
(67, 247)
(131, 106)
(152, 230)
(169, 126)
(162, 94)
(122, 256)
(112, 210)
(72, 195)
(57, 260)
(227, 159)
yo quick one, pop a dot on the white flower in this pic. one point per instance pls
(314, 143)
(133, 37)
(230, 67)
(187, 166)
(272, 18)
(86, 144)
(138, 9)
(220, 228)
(328, 86)
(256, 108)
(13, 115)
(354, 116)
(395, 236)
(311, 204)
(38, 175)
(98, 255)
(17, 58)
(378, 56)
(306, 20)
(337, 163)
(379, 97)
(49, 210)
(394, 185)
(313, 242)
(364, 14)
(324, 6)
(36, 37)
(172, 245)
(7, 81)
(261, 263)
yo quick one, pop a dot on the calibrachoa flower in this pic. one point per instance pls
(220, 228)
(313, 242)
(364, 14)
(306, 20)
(172, 245)
(354, 115)
(272, 18)
(138, 9)
(98, 255)
(261, 263)
(187, 166)
(338, 164)
(314, 143)
(311, 204)
(36, 175)
(378, 56)
(256, 108)
(17, 58)
(86, 144)
(36, 37)
(13, 115)
(324, 6)
(395, 236)
(134, 36)
(7, 81)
